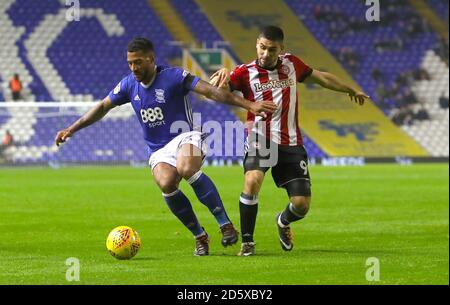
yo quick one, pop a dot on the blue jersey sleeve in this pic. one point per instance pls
(187, 80)
(119, 95)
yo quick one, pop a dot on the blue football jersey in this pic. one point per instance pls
(159, 104)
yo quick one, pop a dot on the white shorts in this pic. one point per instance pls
(168, 154)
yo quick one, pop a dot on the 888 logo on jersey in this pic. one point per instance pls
(153, 116)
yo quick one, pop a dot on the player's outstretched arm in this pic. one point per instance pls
(90, 117)
(332, 82)
(224, 96)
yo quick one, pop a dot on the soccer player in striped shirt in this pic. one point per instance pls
(274, 76)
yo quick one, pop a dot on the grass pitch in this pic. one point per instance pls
(397, 214)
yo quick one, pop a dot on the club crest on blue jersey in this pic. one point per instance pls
(159, 94)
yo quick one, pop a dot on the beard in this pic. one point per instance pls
(266, 64)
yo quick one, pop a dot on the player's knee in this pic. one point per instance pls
(166, 177)
(167, 186)
(253, 182)
(187, 170)
(301, 204)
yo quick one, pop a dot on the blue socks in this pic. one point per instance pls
(207, 193)
(180, 206)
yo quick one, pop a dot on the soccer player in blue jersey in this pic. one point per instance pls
(158, 96)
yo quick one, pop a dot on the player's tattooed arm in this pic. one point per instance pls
(93, 115)
(332, 82)
(225, 96)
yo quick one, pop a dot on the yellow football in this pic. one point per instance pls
(123, 242)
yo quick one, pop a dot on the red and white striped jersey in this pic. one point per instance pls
(278, 85)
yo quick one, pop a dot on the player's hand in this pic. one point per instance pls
(262, 108)
(220, 78)
(62, 136)
(358, 97)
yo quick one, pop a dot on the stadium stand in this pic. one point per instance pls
(432, 133)
(82, 61)
(339, 127)
(70, 55)
(388, 47)
(75, 52)
(205, 32)
(440, 7)
(197, 21)
(200, 25)
(394, 62)
(74, 66)
(2, 98)
(9, 34)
